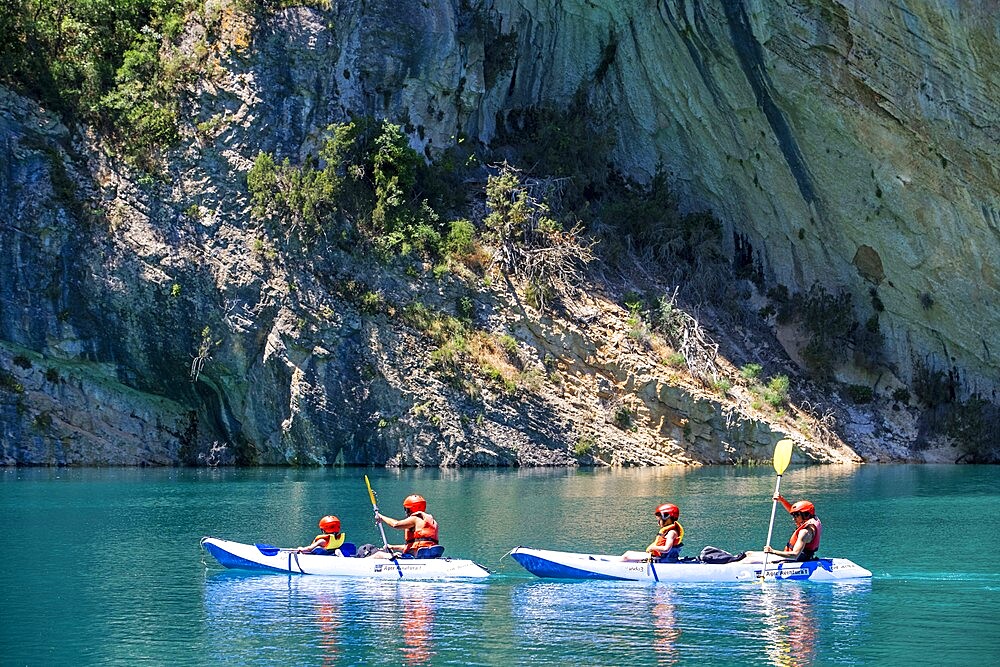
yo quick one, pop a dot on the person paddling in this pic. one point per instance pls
(420, 528)
(330, 541)
(804, 542)
(670, 536)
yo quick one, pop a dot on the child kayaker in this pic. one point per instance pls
(331, 539)
(670, 536)
(666, 546)
(804, 542)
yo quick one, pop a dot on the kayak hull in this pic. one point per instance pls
(237, 555)
(566, 565)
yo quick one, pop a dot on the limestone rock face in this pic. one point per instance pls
(854, 144)
(850, 144)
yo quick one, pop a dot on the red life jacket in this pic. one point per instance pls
(427, 536)
(810, 549)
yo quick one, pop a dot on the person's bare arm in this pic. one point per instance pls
(804, 538)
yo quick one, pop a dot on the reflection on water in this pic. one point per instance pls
(341, 621)
(418, 632)
(665, 626)
(328, 617)
(612, 623)
(789, 625)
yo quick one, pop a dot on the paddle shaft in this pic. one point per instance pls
(770, 527)
(782, 456)
(381, 529)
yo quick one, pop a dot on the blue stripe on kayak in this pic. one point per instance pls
(229, 560)
(546, 568)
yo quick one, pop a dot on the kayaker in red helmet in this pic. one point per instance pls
(670, 536)
(330, 541)
(804, 542)
(420, 528)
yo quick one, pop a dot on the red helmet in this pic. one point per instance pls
(415, 503)
(804, 506)
(666, 508)
(329, 524)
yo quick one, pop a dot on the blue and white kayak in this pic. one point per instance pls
(566, 565)
(268, 558)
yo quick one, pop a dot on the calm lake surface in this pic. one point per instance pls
(103, 566)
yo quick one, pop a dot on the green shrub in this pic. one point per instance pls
(676, 360)
(721, 385)
(584, 445)
(465, 308)
(859, 393)
(459, 238)
(751, 371)
(776, 391)
(371, 303)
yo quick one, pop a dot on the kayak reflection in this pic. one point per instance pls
(418, 631)
(790, 626)
(665, 628)
(338, 620)
(328, 619)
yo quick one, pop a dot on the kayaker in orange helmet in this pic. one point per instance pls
(804, 542)
(670, 536)
(420, 528)
(331, 539)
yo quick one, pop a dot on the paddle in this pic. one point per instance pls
(782, 456)
(378, 522)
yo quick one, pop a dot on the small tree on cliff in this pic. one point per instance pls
(529, 245)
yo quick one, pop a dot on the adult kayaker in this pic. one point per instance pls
(420, 528)
(804, 542)
(331, 539)
(670, 536)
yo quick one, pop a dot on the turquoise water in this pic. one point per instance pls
(104, 567)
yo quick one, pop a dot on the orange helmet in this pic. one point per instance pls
(329, 524)
(666, 508)
(415, 503)
(803, 506)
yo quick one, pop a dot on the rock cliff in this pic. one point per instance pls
(848, 144)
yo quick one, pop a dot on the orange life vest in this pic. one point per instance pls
(810, 549)
(661, 536)
(427, 536)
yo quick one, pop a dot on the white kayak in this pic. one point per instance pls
(274, 559)
(566, 565)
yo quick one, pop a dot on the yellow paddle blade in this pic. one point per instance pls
(782, 455)
(371, 494)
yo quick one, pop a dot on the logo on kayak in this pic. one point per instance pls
(783, 573)
(379, 567)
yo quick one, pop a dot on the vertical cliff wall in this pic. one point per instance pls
(853, 144)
